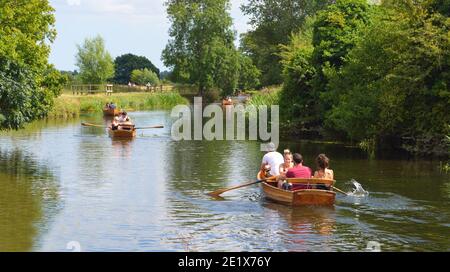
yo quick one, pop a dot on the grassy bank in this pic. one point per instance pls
(266, 97)
(67, 105)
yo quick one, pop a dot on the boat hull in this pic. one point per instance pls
(110, 112)
(302, 197)
(122, 134)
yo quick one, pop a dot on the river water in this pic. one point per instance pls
(63, 185)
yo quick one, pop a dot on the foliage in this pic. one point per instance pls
(28, 83)
(249, 75)
(201, 49)
(273, 22)
(144, 77)
(126, 64)
(298, 99)
(95, 64)
(395, 83)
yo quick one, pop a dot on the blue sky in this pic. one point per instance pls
(128, 26)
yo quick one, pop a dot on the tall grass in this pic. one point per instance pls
(67, 106)
(267, 97)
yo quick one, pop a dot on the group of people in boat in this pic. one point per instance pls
(290, 165)
(122, 122)
(110, 106)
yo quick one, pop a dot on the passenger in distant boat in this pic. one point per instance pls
(107, 106)
(112, 106)
(123, 118)
(272, 159)
(298, 171)
(115, 124)
(125, 122)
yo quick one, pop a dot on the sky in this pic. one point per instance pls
(139, 27)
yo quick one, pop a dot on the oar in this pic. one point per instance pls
(339, 190)
(217, 193)
(150, 127)
(92, 125)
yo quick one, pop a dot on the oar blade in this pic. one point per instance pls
(150, 127)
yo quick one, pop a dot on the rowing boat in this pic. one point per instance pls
(302, 196)
(110, 112)
(126, 132)
(227, 103)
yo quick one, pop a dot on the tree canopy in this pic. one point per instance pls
(144, 77)
(126, 64)
(372, 73)
(201, 49)
(94, 61)
(273, 22)
(28, 83)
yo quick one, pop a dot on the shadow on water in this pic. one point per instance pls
(28, 200)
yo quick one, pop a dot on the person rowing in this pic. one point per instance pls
(272, 161)
(122, 122)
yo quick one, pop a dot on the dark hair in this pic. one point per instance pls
(124, 113)
(298, 158)
(322, 161)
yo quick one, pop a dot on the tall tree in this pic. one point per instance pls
(127, 63)
(94, 61)
(28, 83)
(273, 22)
(201, 49)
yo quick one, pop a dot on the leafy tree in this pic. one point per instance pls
(126, 64)
(28, 83)
(298, 99)
(273, 22)
(201, 50)
(249, 75)
(319, 48)
(396, 81)
(94, 61)
(144, 77)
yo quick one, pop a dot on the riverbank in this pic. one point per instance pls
(295, 129)
(69, 106)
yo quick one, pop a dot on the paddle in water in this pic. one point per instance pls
(100, 126)
(217, 193)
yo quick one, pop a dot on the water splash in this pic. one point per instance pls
(359, 190)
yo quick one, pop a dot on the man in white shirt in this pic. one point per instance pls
(273, 159)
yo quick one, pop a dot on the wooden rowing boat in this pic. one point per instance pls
(303, 196)
(126, 132)
(226, 102)
(110, 112)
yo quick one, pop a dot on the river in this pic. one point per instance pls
(62, 184)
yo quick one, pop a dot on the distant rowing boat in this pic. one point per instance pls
(300, 197)
(110, 112)
(227, 102)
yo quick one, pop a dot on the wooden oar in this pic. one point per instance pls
(150, 127)
(99, 126)
(339, 190)
(92, 125)
(217, 193)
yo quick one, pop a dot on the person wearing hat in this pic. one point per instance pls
(272, 160)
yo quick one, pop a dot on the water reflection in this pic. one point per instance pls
(60, 182)
(29, 197)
